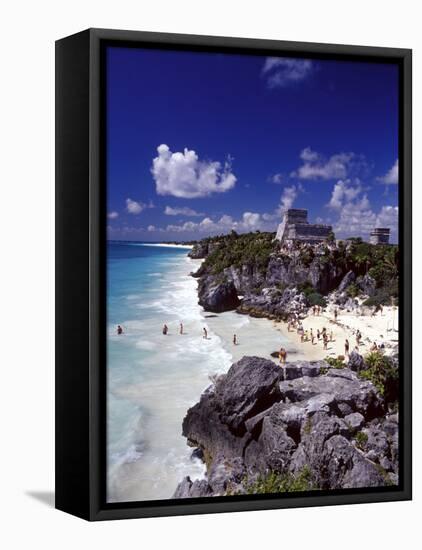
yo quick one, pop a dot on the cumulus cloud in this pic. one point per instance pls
(288, 198)
(344, 191)
(392, 176)
(249, 221)
(183, 211)
(281, 72)
(112, 215)
(356, 217)
(136, 207)
(388, 217)
(315, 166)
(276, 178)
(183, 175)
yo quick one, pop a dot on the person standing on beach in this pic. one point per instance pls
(346, 347)
(282, 356)
(205, 334)
(234, 339)
(312, 337)
(331, 336)
(165, 329)
(181, 328)
(318, 334)
(335, 314)
(325, 338)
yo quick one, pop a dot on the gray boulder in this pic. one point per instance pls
(356, 362)
(343, 385)
(367, 285)
(347, 280)
(355, 421)
(189, 489)
(217, 296)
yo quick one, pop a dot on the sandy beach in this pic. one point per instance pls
(381, 328)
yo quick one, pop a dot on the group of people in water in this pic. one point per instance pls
(165, 331)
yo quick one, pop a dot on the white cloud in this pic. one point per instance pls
(344, 191)
(315, 166)
(288, 198)
(183, 211)
(184, 175)
(388, 217)
(392, 176)
(281, 72)
(136, 207)
(249, 221)
(112, 215)
(276, 178)
(356, 217)
(151, 228)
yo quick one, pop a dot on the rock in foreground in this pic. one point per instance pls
(261, 420)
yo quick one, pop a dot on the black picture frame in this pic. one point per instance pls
(80, 274)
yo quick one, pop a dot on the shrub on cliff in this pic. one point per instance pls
(282, 483)
(317, 299)
(383, 372)
(235, 250)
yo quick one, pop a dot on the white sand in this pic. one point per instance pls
(381, 328)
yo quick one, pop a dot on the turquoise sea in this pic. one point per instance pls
(153, 379)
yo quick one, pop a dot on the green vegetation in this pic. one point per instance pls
(282, 483)
(317, 299)
(335, 362)
(253, 249)
(383, 372)
(361, 440)
(314, 298)
(352, 290)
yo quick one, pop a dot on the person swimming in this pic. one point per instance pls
(165, 329)
(119, 329)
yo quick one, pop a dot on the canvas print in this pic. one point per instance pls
(252, 274)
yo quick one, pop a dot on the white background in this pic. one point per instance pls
(29, 29)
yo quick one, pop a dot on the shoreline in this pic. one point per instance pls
(167, 245)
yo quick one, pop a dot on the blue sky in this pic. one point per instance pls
(199, 143)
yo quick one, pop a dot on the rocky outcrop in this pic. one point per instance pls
(260, 419)
(274, 303)
(367, 285)
(199, 251)
(217, 296)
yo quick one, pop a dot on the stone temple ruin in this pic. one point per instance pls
(380, 235)
(296, 228)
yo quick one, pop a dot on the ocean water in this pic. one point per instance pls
(153, 379)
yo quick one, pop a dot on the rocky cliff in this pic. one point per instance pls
(261, 422)
(275, 281)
